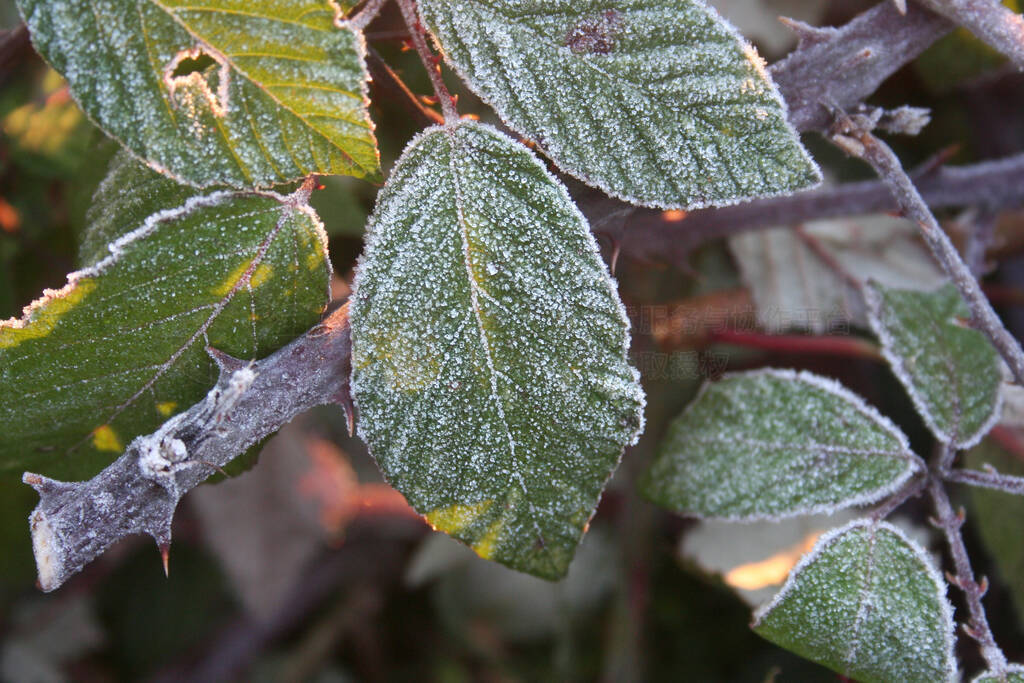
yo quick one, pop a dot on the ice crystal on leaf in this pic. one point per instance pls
(867, 603)
(121, 348)
(951, 371)
(658, 102)
(1014, 674)
(230, 92)
(489, 349)
(776, 443)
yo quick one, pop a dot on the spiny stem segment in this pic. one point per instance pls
(853, 135)
(431, 62)
(977, 626)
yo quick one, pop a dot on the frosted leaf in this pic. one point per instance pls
(238, 92)
(868, 604)
(951, 371)
(659, 103)
(777, 443)
(121, 347)
(1015, 674)
(795, 285)
(489, 349)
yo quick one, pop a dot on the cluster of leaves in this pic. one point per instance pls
(490, 363)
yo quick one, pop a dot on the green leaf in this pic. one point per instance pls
(238, 92)
(776, 443)
(657, 102)
(867, 603)
(951, 372)
(1015, 674)
(121, 347)
(489, 349)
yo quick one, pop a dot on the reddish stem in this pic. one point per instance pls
(797, 343)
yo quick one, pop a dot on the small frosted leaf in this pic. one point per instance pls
(868, 604)
(951, 371)
(489, 349)
(660, 103)
(217, 91)
(120, 348)
(1014, 674)
(776, 443)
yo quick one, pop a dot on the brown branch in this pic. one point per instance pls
(431, 62)
(989, 20)
(977, 627)
(138, 493)
(850, 133)
(847, 64)
(383, 78)
(989, 479)
(670, 237)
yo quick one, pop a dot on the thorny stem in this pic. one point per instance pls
(997, 25)
(989, 479)
(950, 523)
(876, 153)
(431, 62)
(368, 13)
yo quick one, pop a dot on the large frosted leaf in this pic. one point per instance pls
(121, 347)
(951, 371)
(489, 349)
(867, 603)
(242, 92)
(658, 102)
(803, 280)
(776, 443)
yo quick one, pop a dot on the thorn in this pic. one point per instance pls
(806, 34)
(983, 586)
(429, 99)
(165, 557)
(44, 485)
(934, 522)
(344, 399)
(988, 468)
(952, 579)
(961, 515)
(226, 363)
(969, 630)
(901, 6)
(216, 467)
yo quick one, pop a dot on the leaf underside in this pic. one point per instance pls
(951, 372)
(489, 349)
(238, 92)
(121, 348)
(867, 603)
(775, 443)
(659, 103)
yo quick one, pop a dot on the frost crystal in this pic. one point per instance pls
(489, 349)
(658, 102)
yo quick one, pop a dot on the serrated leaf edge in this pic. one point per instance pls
(930, 570)
(873, 298)
(754, 58)
(914, 463)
